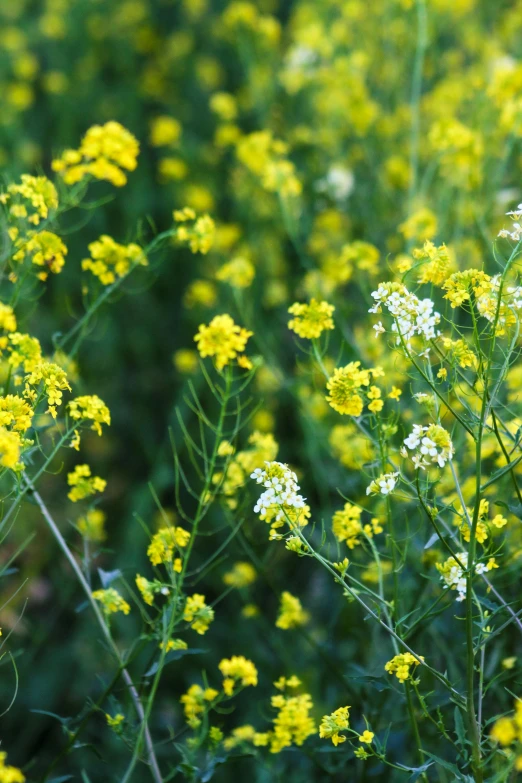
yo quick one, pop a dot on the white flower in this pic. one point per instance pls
(383, 485)
(412, 316)
(281, 489)
(379, 329)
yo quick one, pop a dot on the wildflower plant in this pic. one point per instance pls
(260, 420)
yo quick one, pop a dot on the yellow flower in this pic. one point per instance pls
(293, 722)
(83, 484)
(367, 736)
(311, 320)
(45, 250)
(104, 151)
(164, 130)
(344, 385)
(10, 446)
(110, 261)
(221, 339)
(116, 721)
(111, 601)
(90, 408)
(15, 412)
(7, 318)
(194, 703)
(92, 525)
(9, 774)
(291, 613)
(54, 381)
(503, 731)
(196, 232)
(237, 670)
(334, 723)
(401, 664)
(241, 575)
(197, 613)
(239, 272)
(164, 542)
(38, 196)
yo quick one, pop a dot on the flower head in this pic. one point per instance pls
(311, 320)
(221, 339)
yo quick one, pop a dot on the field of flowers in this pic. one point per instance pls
(261, 406)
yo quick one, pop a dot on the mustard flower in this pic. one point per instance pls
(197, 232)
(15, 413)
(452, 573)
(164, 131)
(293, 722)
(436, 263)
(45, 249)
(54, 381)
(344, 385)
(311, 320)
(197, 613)
(90, 408)
(412, 316)
(9, 774)
(432, 445)
(241, 575)
(114, 722)
(237, 670)
(383, 485)
(164, 542)
(195, 702)
(36, 195)
(239, 272)
(83, 483)
(291, 613)
(92, 525)
(10, 447)
(111, 601)
(401, 664)
(7, 318)
(367, 737)
(104, 153)
(333, 724)
(280, 502)
(221, 339)
(110, 261)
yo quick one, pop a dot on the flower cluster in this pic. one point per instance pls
(293, 722)
(33, 198)
(104, 153)
(54, 381)
(401, 665)
(334, 723)
(281, 501)
(383, 485)
(241, 575)
(412, 316)
(45, 249)
(9, 774)
(83, 483)
(435, 263)
(344, 389)
(239, 272)
(312, 319)
(237, 670)
(291, 613)
(347, 525)
(163, 544)
(92, 525)
(452, 573)
(460, 285)
(516, 229)
(432, 445)
(90, 408)
(111, 601)
(110, 261)
(197, 613)
(195, 702)
(224, 340)
(507, 730)
(196, 232)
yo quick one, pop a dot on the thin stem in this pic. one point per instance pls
(151, 757)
